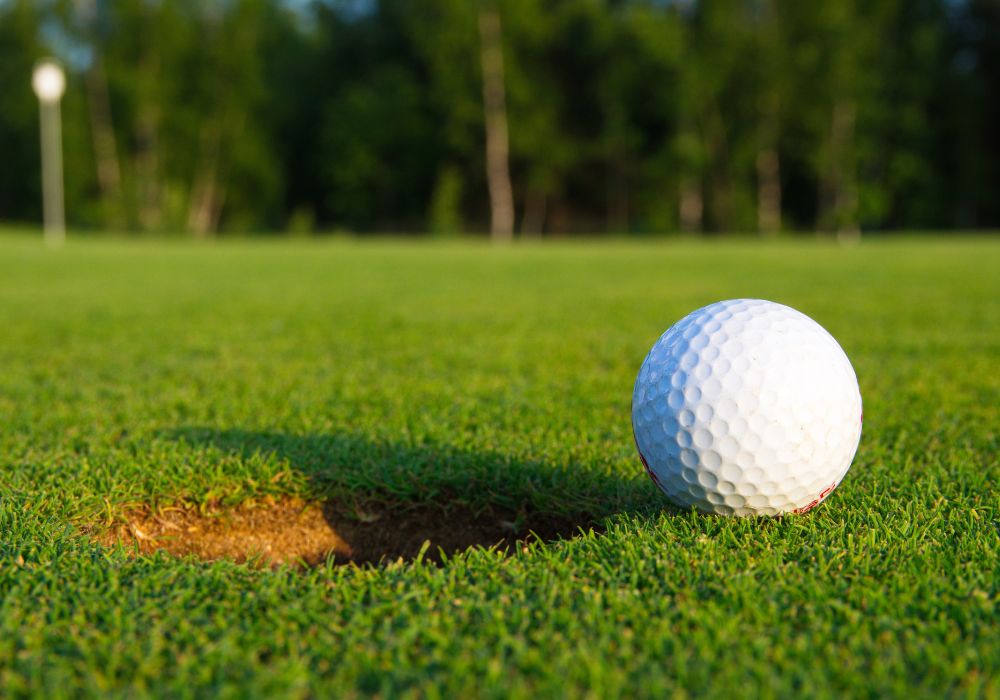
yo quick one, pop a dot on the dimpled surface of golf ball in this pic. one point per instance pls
(746, 407)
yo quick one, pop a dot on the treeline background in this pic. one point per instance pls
(603, 116)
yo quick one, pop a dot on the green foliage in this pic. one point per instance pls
(445, 215)
(624, 115)
(451, 374)
(20, 47)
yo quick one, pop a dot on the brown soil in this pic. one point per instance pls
(293, 531)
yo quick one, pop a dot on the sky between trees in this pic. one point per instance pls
(533, 117)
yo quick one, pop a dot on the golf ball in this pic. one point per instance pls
(746, 407)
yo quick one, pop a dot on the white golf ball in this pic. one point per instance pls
(747, 407)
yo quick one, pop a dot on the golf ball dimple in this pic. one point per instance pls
(746, 407)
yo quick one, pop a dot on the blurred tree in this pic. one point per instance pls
(379, 144)
(169, 88)
(495, 119)
(445, 217)
(666, 150)
(446, 41)
(896, 168)
(540, 152)
(724, 105)
(974, 139)
(621, 115)
(20, 47)
(768, 62)
(90, 21)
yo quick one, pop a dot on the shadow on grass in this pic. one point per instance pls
(371, 501)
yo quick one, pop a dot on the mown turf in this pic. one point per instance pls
(463, 377)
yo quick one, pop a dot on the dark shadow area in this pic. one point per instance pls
(374, 501)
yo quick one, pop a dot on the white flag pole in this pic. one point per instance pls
(49, 82)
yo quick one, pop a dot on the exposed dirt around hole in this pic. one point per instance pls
(294, 531)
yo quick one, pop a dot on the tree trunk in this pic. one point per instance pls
(768, 191)
(533, 221)
(495, 113)
(720, 187)
(692, 207)
(838, 189)
(768, 164)
(205, 206)
(149, 209)
(102, 130)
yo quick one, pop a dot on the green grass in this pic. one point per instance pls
(459, 375)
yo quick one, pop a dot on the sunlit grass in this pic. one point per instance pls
(457, 375)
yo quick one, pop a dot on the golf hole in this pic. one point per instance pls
(292, 531)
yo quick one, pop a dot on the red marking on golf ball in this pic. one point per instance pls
(644, 462)
(826, 492)
(649, 471)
